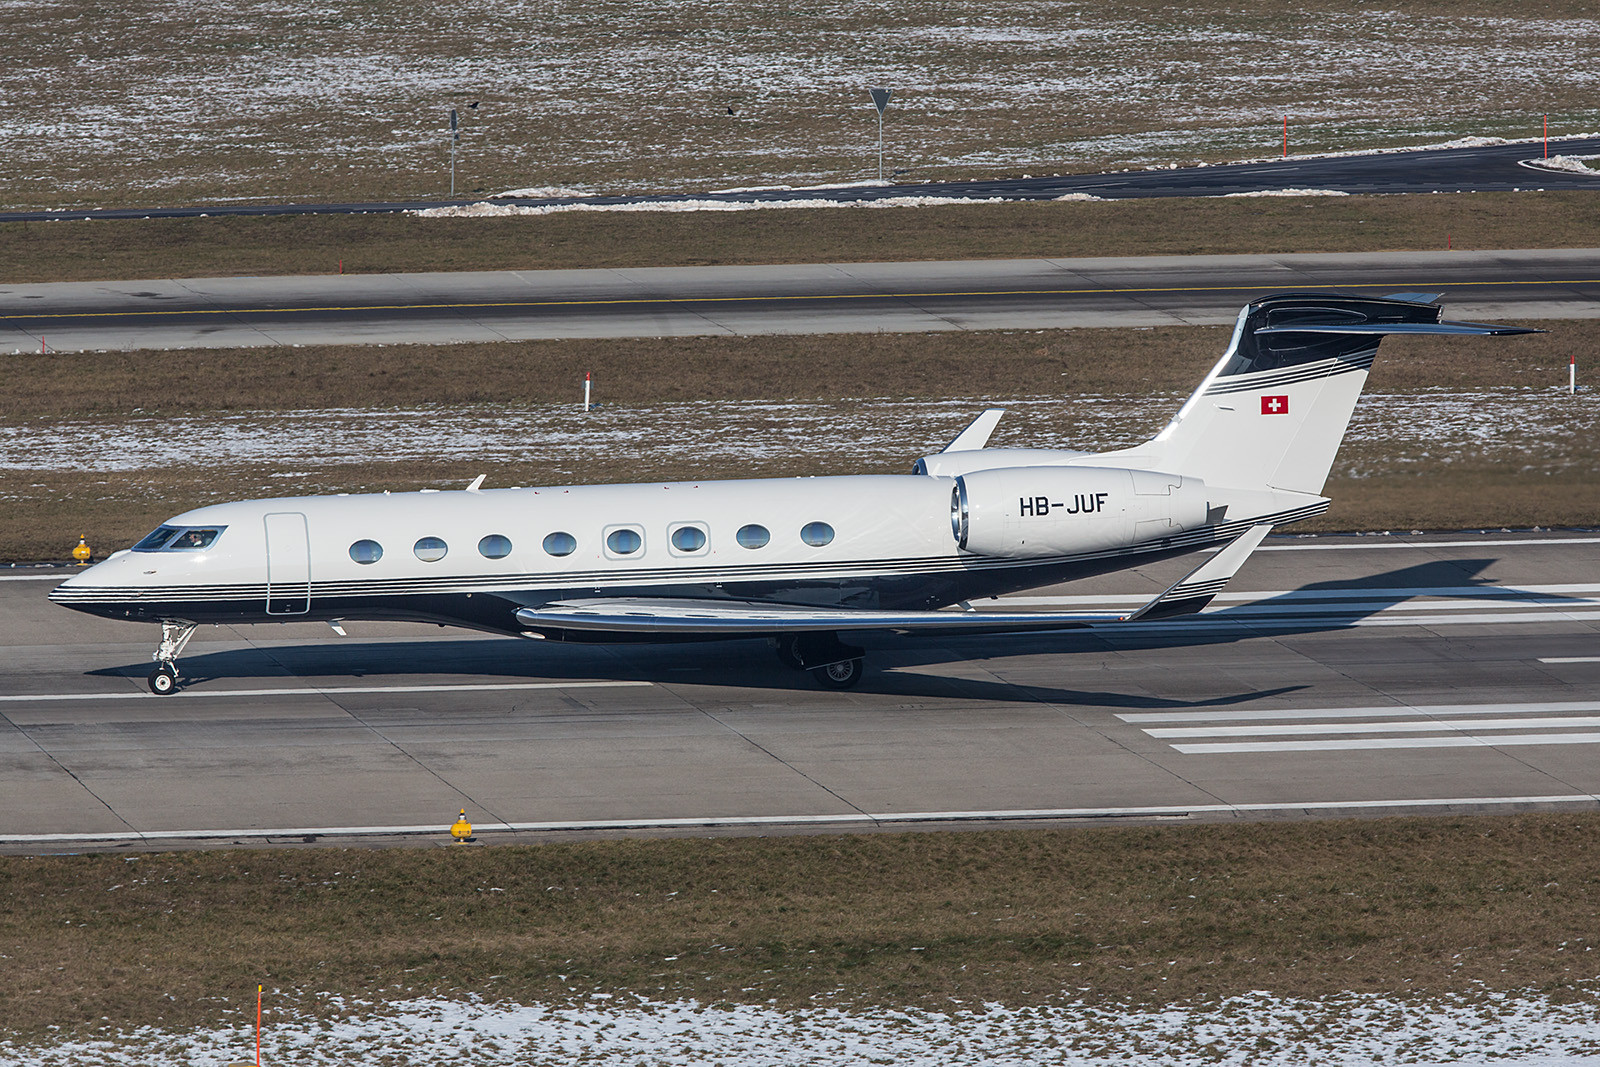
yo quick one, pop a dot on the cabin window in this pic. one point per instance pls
(624, 541)
(816, 534)
(495, 546)
(430, 549)
(560, 544)
(753, 536)
(688, 539)
(366, 551)
(155, 539)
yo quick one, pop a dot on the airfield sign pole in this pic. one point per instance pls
(880, 100)
(455, 138)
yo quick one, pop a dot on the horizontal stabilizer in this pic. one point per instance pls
(1415, 298)
(1200, 585)
(1480, 329)
(976, 435)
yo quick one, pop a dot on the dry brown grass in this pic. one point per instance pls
(653, 370)
(161, 103)
(1147, 916)
(367, 244)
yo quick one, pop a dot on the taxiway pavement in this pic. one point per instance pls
(748, 300)
(1338, 676)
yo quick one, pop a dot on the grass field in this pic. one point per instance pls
(73, 459)
(161, 102)
(211, 247)
(1146, 916)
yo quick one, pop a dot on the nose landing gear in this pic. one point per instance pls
(174, 635)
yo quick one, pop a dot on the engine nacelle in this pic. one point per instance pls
(1029, 512)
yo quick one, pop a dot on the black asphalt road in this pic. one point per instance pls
(799, 298)
(1490, 168)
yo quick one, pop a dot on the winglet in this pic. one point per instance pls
(976, 435)
(1195, 590)
(477, 483)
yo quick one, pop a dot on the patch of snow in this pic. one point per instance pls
(542, 192)
(1075, 197)
(1289, 192)
(486, 210)
(1253, 1030)
(1574, 164)
(1388, 431)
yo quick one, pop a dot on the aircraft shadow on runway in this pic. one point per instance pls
(750, 664)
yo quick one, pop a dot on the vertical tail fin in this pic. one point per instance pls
(1272, 412)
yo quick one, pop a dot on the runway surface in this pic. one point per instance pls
(747, 300)
(1484, 168)
(1338, 676)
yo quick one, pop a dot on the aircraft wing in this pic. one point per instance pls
(689, 617)
(671, 615)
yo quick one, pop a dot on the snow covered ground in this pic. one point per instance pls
(1546, 429)
(1255, 1030)
(170, 99)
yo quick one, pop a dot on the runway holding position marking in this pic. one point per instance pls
(753, 300)
(1487, 657)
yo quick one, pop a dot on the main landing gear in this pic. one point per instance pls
(834, 664)
(174, 635)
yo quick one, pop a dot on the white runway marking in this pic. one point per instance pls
(1419, 726)
(1357, 744)
(1435, 544)
(322, 692)
(1569, 659)
(1004, 815)
(1421, 719)
(1550, 707)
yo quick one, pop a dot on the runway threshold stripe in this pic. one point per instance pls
(1387, 711)
(1413, 726)
(1372, 743)
(866, 818)
(327, 691)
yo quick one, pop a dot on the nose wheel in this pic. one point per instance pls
(164, 678)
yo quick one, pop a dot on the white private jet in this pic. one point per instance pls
(799, 560)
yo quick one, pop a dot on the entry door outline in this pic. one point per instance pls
(288, 563)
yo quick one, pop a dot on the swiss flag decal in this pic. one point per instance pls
(1274, 405)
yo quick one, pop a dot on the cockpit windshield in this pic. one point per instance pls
(156, 539)
(179, 539)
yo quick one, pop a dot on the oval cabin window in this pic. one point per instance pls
(753, 536)
(624, 542)
(816, 534)
(688, 539)
(365, 551)
(495, 546)
(560, 544)
(431, 549)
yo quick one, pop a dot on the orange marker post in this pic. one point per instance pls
(258, 1026)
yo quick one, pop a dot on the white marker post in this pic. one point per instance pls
(586, 392)
(1572, 373)
(880, 100)
(455, 139)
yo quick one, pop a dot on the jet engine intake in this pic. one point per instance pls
(1032, 512)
